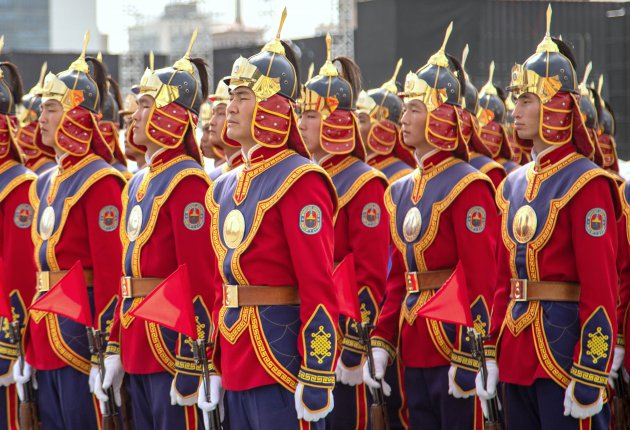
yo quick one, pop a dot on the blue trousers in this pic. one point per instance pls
(270, 407)
(64, 400)
(396, 410)
(351, 409)
(430, 405)
(151, 407)
(541, 406)
(8, 408)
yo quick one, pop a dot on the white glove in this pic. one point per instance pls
(177, 399)
(490, 390)
(304, 413)
(347, 376)
(453, 389)
(92, 378)
(571, 407)
(23, 376)
(216, 398)
(114, 374)
(381, 358)
(618, 356)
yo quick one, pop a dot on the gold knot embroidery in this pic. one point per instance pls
(320, 345)
(201, 333)
(480, 326)
(597, 345)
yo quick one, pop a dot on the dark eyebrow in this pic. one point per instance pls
(239, 92)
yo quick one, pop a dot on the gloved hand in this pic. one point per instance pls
(178, 399)
(303, 412)
(577, 410)
(617, 362)
(490, 390)
(461, 382)
(93, 374)
(381, 358)
(22, 374)
(347, 376)
(114, 374)
(216, 398)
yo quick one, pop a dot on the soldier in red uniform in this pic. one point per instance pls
(17, 274)
(77, 207)
(379, 111)
(133, 152)
(39, 157)
(442, 216)
(553, 322)
(606, 133)
(163, 225)
(520, 155)
(217, 133)
(272, 229)
(330, 130)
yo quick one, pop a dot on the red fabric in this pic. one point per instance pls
(494, 138)
(170, 304)
(443, 131)
(571, 255)
(275, 125)
(8, 126)
(68, 297)
(623, 267)
(78, 132)
(83, 239)
(453, 242)
(171, 244)
(110, 131)
(450, 303)
(29, 137)
(382, 137)
(340, 134)
(281, 254)
(345, 283)
(469, 130)
(606, 145)
(5, 306)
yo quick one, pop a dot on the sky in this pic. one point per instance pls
(115, 16)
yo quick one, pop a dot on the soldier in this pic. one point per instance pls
(164, 225)
(216, 133)
(209, 150)
(272, 229)
(331, 134)
(17, 276)
(481, 156)
(109, 125)
(379, 111)
(442, 216)
(39, 157)
(606, 133)
(519, 155)
(77, 207)
(133, 152)
(553, 321)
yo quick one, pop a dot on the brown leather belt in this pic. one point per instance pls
(420, 281)
(46, 280)
(235, 296)
(524, 290)
(138, 287)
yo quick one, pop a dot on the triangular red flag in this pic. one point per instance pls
(345, 282)
(5, 305)
(68, 297)
(450, 303)
(170, 304)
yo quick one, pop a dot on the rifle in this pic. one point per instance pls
(378, 408)
(29, 415)
(96, 342)
(493, 422)
(199, 350)
(620, 405)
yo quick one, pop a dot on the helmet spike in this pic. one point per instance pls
(1, 43)
(328, 46)
(587, 72)
(449, 29)
(547, 44)
(275, 45)
(311, 70)
(191, 43)
(600, 84)
(549, 13)
(282, 19)
(184, 62)
(151, 60)
(79, 64)
(465, 55)
(439, 58)
(42, 74)
(86, 39)
(391, 84)
(99, 56)
(491, 72)
(328, 69)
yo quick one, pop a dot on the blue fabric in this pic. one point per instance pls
(345, 413)
(151, 407)
(270, 407)
(64, 400)
(430, 405)
(541, 406)
(394, 401)
(8, 397)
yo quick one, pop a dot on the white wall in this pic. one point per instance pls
(69, 20)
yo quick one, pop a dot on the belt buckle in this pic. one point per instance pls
(412, 281)
(125, 287)
(43, 281)
(230, 296)
(519, 289)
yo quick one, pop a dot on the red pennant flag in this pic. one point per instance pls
(170, 304)
(450, 303)
(5, 305)
(345, 283)
(68, 297)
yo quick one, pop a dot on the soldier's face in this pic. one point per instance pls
(364, 126)
(240, 114)
(217, 120)
(141, 118)
(49, 120)
(310, 125)
(204, 144)
(414, 121)
(527, 116)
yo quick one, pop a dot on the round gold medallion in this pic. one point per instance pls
(524, 224)
(233, 228)
(134, 223)
(412, 224)
(47, 223)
